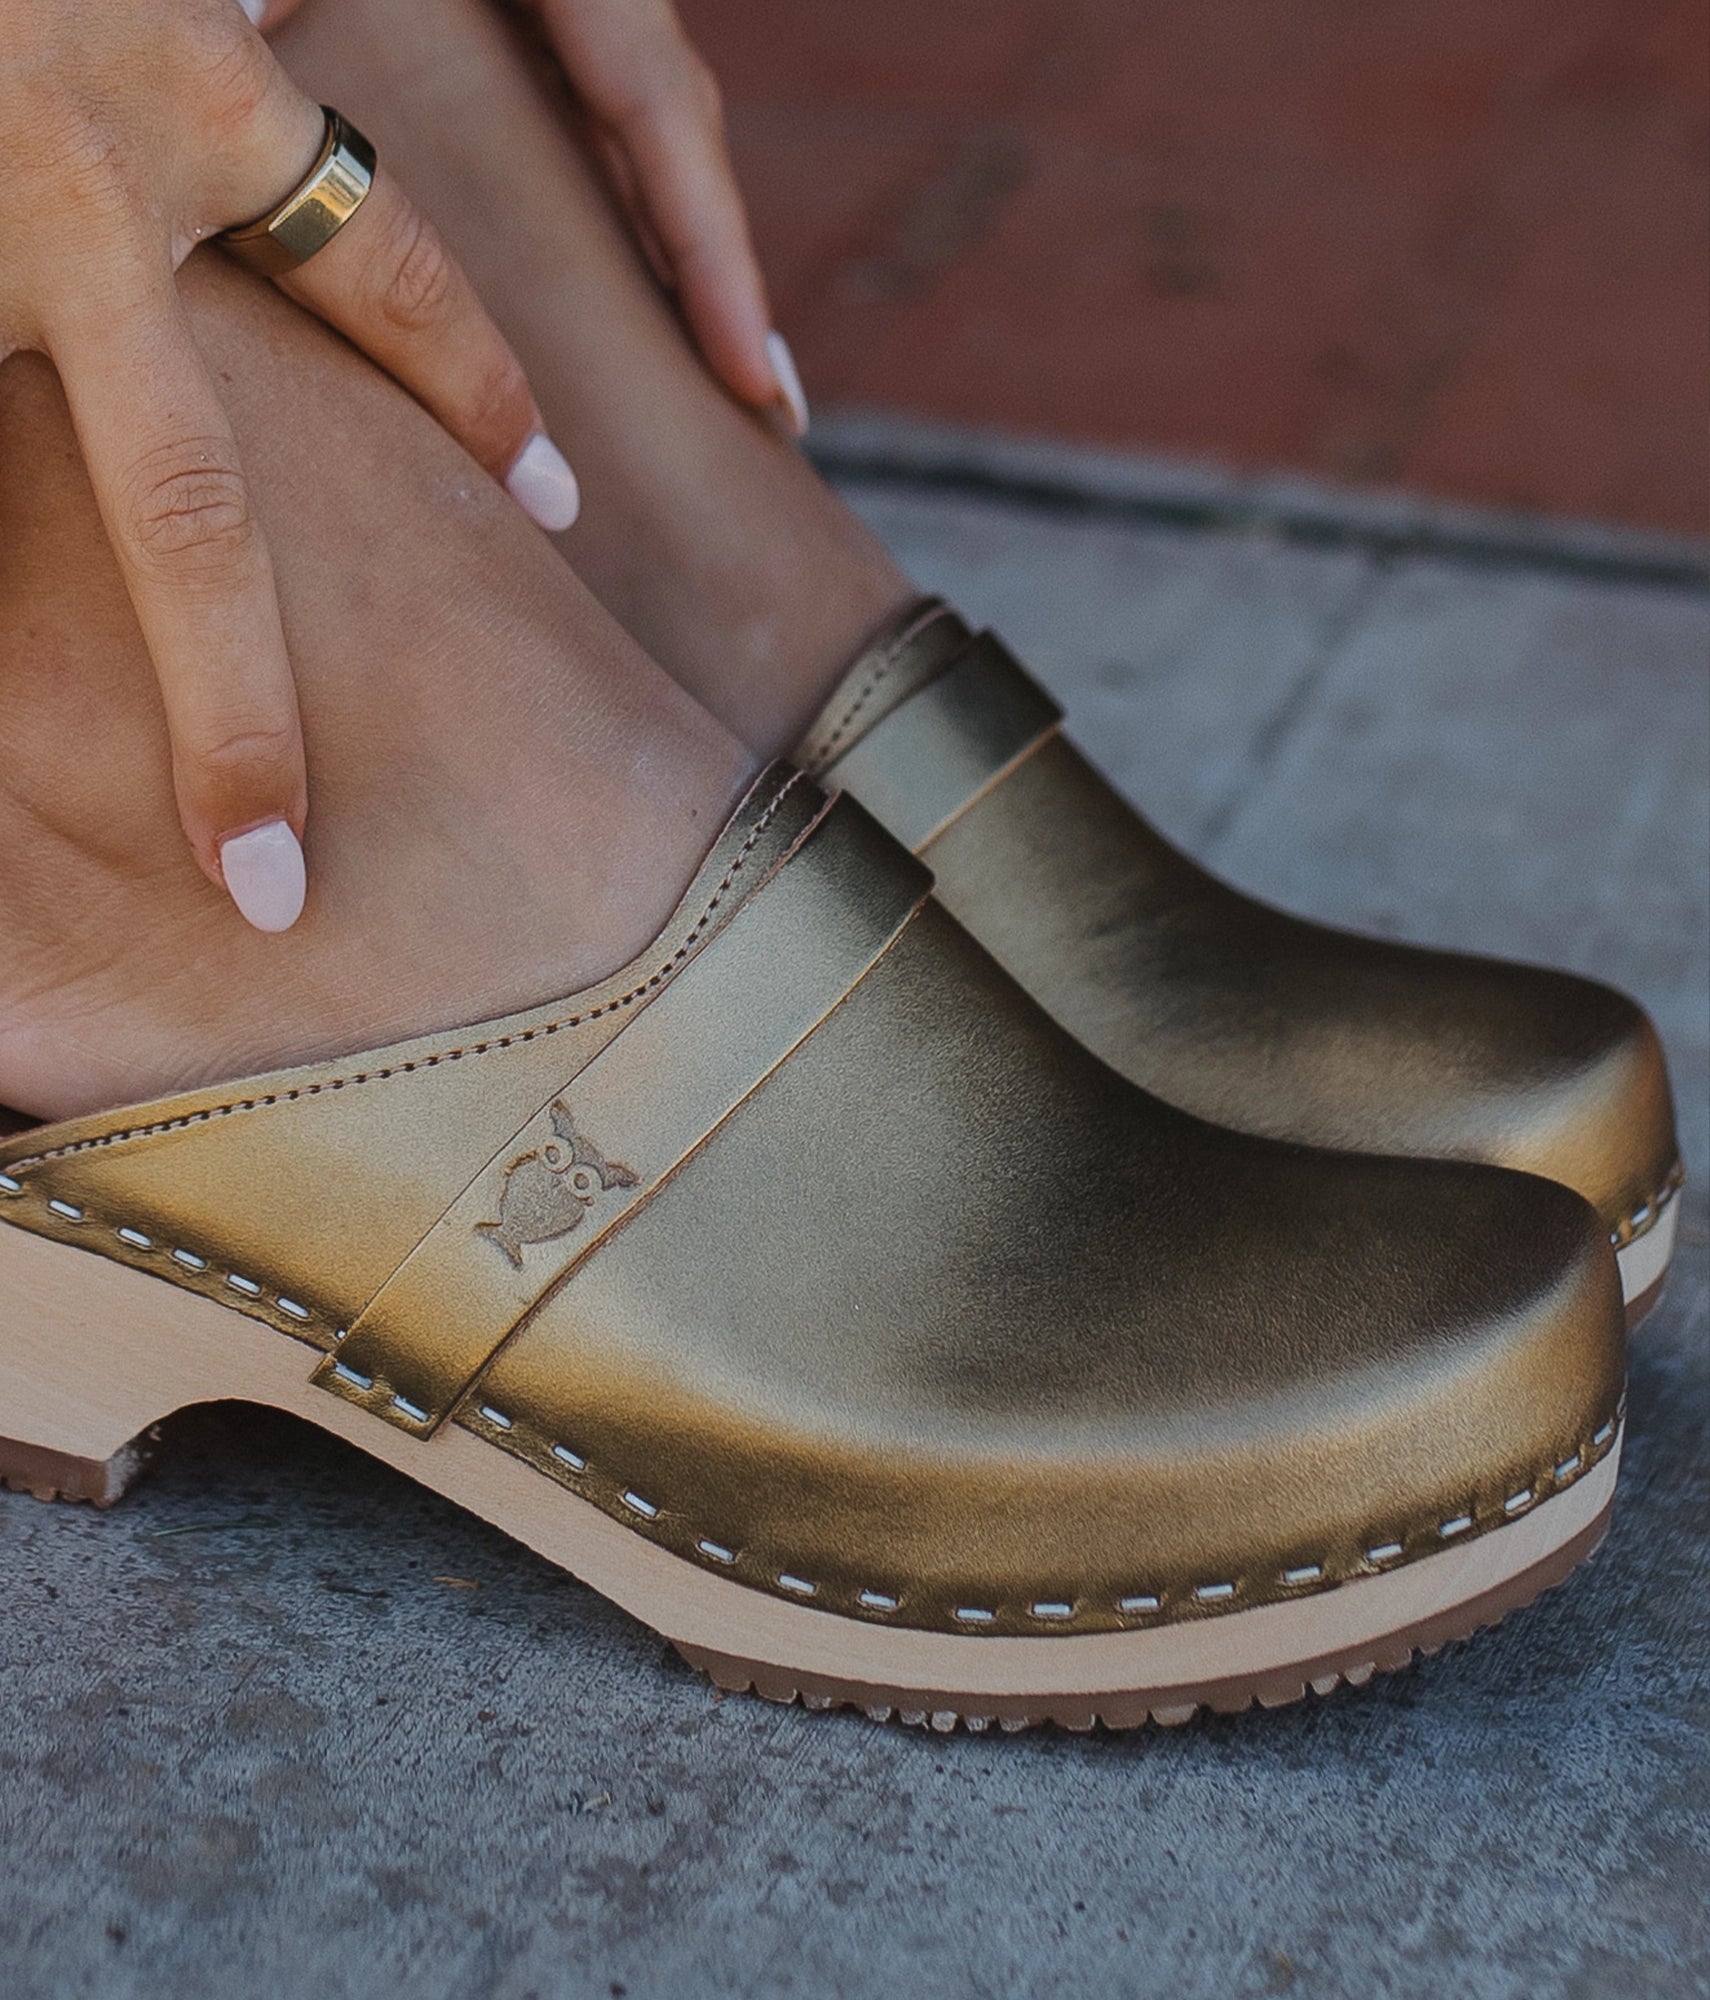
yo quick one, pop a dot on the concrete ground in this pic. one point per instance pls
(283, 1725)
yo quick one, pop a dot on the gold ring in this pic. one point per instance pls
(313, 213)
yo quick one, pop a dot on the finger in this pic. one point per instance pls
(619, 171)
(164, 466)
(269, 14)
(688, 187)
(388, 283)
(638, 76)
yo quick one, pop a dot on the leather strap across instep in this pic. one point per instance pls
(911, 648)
(920, 766)
(629, 1120)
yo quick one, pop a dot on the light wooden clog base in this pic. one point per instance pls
(1644, 1263)
(94, 1356)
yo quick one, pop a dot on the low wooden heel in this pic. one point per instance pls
(58, 1475)
(85, 1374)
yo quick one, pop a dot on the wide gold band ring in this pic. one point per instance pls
(313, 213)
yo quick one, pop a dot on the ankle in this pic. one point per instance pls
(454, 895)
(506, 796)
(750, 644)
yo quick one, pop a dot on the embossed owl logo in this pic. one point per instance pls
(547, 1192)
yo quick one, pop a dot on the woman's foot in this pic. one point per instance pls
(809, 1292)
(508, 796)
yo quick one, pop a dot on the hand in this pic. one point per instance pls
(657, 123)
(129, 133)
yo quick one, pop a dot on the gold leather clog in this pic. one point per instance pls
(1218, 1003)
(812, 1294)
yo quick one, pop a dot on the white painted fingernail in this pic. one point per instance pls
(789, 382)
(265, 875)
(255, 9)
(543, 486)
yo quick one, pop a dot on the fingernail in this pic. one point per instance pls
(543, 486)
(255, 9)
(789, 382)
(265, 875)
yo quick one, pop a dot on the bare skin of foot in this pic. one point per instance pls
(508, 796)
(703, 531)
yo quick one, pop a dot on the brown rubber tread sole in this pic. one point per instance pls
(49, 1475)
(88, 1372)
(1167, 1706)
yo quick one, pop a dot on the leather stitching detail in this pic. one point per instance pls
(457, 1054)
(1648, 1214)
(190, 1271)
(285, 1314)
(686, 1540)
(821, 751)
(625, 1503)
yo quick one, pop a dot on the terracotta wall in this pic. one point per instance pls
(1457, 245)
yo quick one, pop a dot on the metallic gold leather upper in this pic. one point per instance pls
(814, 1251)
(1218, 1003)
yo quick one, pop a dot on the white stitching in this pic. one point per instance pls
(871, 1600)
(1645, 1218)
(817, 753)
